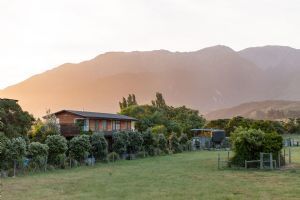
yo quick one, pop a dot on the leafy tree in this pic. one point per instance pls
(37, 131)
(292, 125)
(159, 102)
(187, 119)
(135, 142)
(41, 129)
(120, 142)
(264, 125)
(184, 141)
(3, 150)
(80, 147)
(57, 149)
(14, 122)
(248, 143)
(157, 129)
(51, 125)
(279, 127)
(148, 116)
(39, 153)
(99, 146)
(130, 101)
(174, 143)
(217, 124)
(162, 142)
(16, 148)
(236, 122)
(149, 142)
(159, 115)
(123, 104)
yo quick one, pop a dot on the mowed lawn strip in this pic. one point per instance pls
(192, 175)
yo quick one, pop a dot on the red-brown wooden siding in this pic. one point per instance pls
(66, 118)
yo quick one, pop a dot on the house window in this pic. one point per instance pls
(128, 125)
(104, 125)
(116, 125)
(86, 125)
(96, 125)
(83, 124)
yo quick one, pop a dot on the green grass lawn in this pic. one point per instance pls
(192, 175)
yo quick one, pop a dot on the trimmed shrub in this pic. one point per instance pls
(113, 157)
(58, 146)
(120, 142)
(149, 142)
(135, 142)
(183, 140)
(39, 153)
(99, 146)
(16, 148)
(80, 147)
(3, 150)
(174, 143)
(162, 143)
(248, 143)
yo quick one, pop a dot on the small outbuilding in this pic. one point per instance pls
(207, 138)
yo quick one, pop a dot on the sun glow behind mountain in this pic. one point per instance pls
(209, 79)
(38, 35)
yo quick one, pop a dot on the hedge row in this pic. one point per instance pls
(57, 152)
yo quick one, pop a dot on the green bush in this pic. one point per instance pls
(113, 157)
(120, 142)
(39, 153)
(174, 143)
(135, 142)
(159, 129)
(3, 150)
(162, 143)
(16, 148)
(36, 149)
(149, 143)
(58, 146)
(183, 140)
(189, 145)
(99, 146)
(79, 147)
(248, 143)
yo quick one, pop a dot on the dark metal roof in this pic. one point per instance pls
(206, 129)
(98, 115)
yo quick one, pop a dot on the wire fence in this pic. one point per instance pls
(265, 160)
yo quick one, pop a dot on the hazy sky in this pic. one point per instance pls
(37, 35)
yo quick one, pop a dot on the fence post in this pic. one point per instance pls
(218, 160)
(271, 161)
(15, 168)
(46, 161)
(261, 160)
(284, 157)
(245, 164)
(279, 164)
(290, 156)
(228, 156)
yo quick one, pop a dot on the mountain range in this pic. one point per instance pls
(210, 79)
(271, 109)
